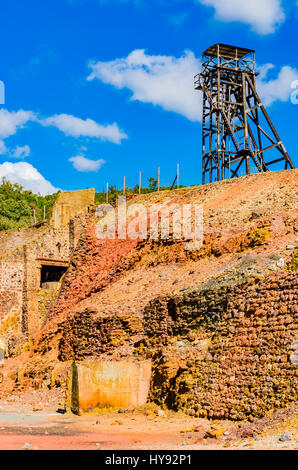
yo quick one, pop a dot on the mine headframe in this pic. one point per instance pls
(238, 135)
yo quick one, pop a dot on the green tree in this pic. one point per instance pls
(152, 183)
(17, 206)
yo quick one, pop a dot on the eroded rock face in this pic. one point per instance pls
(94, 265)
(249, 330)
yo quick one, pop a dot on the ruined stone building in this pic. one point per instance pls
(33, 261)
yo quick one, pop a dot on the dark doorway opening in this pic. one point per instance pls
(51, 273)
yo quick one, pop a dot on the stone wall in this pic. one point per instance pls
(22, 254)
(20, 279)
(46, 299)
(70, 204)
(226, 352)
(87, 335)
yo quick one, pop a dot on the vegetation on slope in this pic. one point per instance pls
(21, 208)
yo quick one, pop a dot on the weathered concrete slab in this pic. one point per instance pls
(99, 384)
(70, 204)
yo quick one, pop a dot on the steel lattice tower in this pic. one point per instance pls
(238, 135)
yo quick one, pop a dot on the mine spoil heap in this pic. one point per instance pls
(211, 332)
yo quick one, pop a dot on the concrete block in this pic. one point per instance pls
(99, 384)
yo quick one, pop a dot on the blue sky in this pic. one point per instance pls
(99, 89)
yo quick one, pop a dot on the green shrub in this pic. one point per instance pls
(17, 206)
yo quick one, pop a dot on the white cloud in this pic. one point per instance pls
(263, 70)
(3, 148)
(276, 89)
(77, 127)
(83, 164)
(166, 81)
(26, 175)
(264, 16)
(20, 152)
(11, 121)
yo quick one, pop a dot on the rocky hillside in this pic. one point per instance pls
(201, 316)
(254, 215)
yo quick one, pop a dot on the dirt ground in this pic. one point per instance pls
(31, 421)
